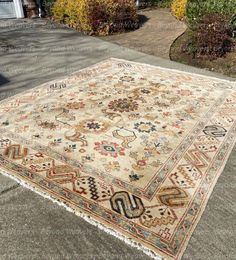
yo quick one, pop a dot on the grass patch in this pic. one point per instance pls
(155, 3)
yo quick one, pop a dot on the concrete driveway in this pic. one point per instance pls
(31, 227)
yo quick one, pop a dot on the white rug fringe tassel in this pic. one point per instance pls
(87, 218)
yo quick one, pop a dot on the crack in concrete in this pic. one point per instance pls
(9, 189)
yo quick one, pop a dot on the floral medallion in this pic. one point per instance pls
(145, 127)
(75, 105)
(109, 148)
(123, 105)
(92, 126)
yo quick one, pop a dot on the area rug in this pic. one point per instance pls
(135, 148)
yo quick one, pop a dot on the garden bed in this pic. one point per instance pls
(225, 65)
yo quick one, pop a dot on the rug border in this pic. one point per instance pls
(204, 204)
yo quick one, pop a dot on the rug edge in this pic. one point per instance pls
(205, 203)
(174, 70)
(90, 219)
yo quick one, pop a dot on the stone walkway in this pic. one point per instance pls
(31, 227)
(156, 35)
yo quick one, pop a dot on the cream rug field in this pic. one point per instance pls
(134, 148)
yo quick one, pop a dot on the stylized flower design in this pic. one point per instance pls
(47, 125)
(123, 105)
(141, 162)
(145, 127)
(126, 79)
(184, 92)
(92, 126)
(145, 91)
(166, 114)
(109, 148)
(112, 166)
(75, 105)
(162, 104)
(135, 177)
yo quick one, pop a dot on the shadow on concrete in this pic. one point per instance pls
(3, 80)
(142, 19)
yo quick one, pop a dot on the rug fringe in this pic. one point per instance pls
(86, 217)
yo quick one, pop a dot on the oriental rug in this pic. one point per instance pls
(135, 147)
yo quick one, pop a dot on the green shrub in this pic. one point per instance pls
(156, 3)
(48, 4)
(198, 8)
(211, 38)
(233, 21)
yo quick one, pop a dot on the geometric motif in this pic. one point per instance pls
(62, 174)
(182, 177)
(173, 197)
(15, 152)
(197, 158)
(158, 216)
(121, 202)
(215, 131)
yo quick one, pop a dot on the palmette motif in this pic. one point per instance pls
(137, 147)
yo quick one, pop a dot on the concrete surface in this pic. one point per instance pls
(158, 31)
(31, 227)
